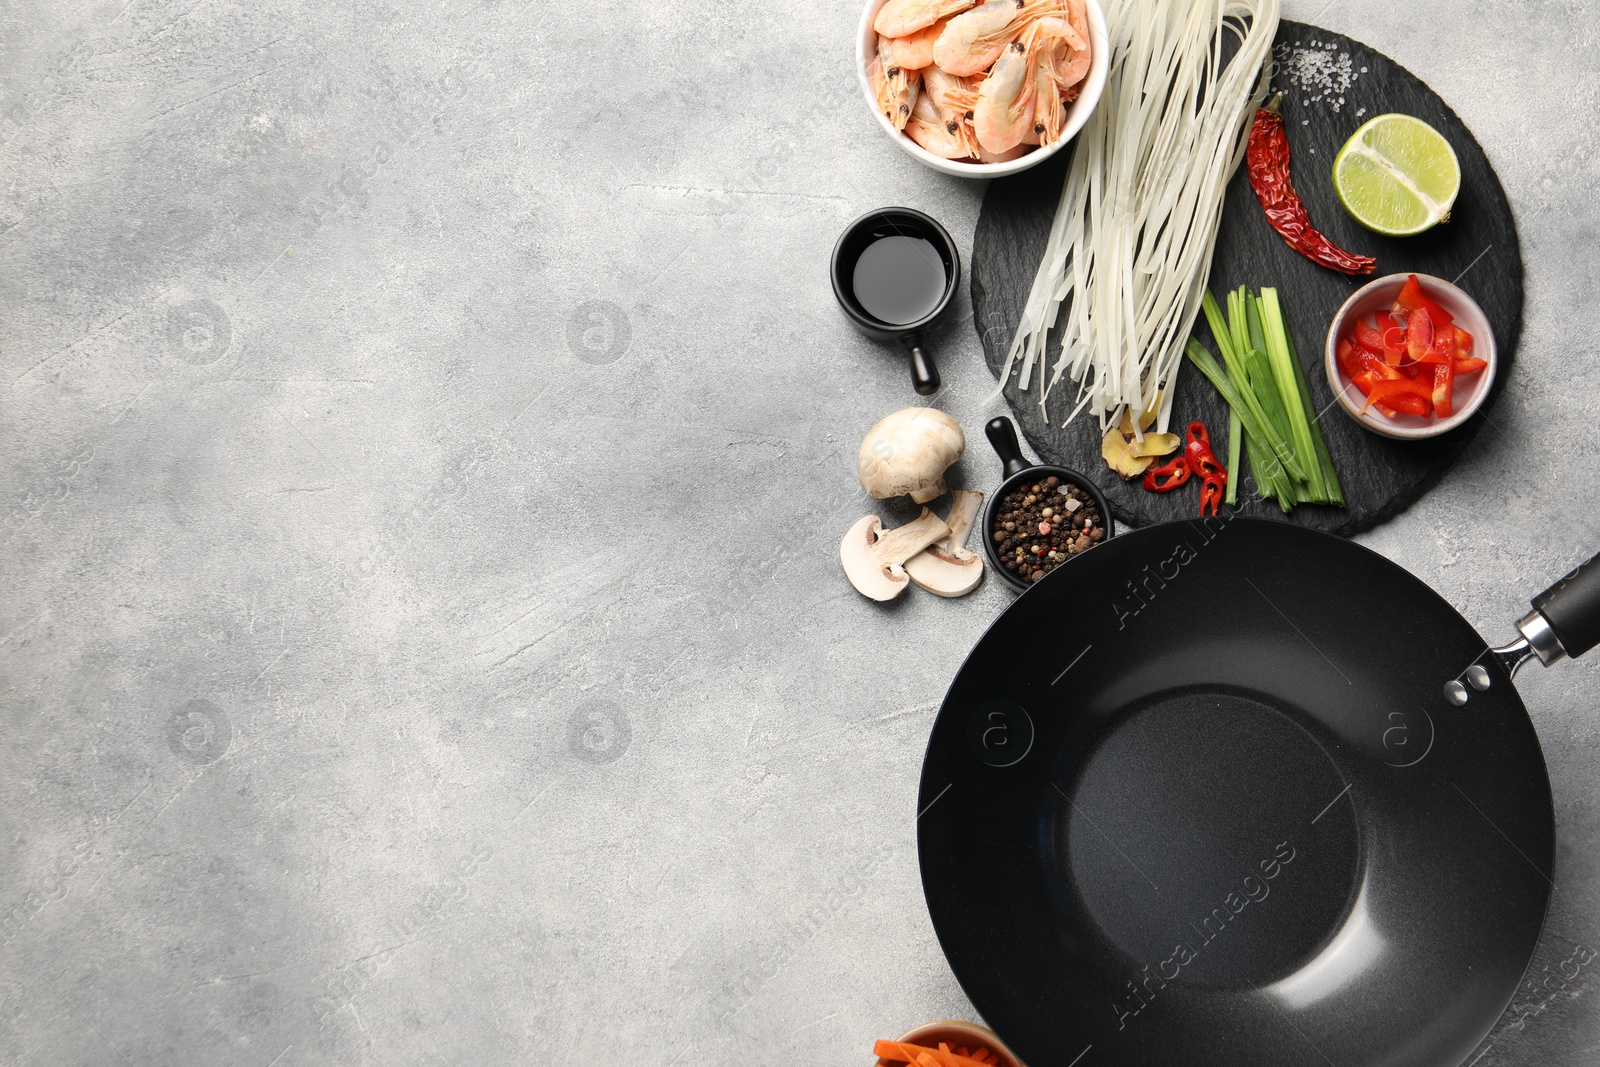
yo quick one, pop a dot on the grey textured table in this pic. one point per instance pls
(427, 433)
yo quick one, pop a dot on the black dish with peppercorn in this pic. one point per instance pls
(1041, 517)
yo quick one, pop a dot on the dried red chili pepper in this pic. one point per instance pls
(1268, 161)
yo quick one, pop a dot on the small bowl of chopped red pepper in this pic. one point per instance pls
(1410, 356)
(1041, 516)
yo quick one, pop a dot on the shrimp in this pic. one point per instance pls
(954, 98)
(943, 88)
(1076, 67)
(1003, 116)
(896, 97)
(985, 156)
(1049, 43)
(899, 18)
(914, 51)
(930, 130)
(973, 40)
(1048, 114)
(896, 77)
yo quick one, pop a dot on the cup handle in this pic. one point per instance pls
(924, 375)
(1003, 437)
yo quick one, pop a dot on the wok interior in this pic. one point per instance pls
(1205, 839)
(1245, 809)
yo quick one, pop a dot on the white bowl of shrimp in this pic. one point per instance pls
(982, 90)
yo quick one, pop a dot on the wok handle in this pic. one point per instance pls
(1003, 436)
(1571, 608)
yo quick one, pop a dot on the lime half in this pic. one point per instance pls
(1397, 176)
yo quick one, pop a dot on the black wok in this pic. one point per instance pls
(1238, 793)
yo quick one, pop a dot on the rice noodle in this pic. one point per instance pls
(1130, 249)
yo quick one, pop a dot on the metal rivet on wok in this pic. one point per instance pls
(1455, 693)
(1478, 677)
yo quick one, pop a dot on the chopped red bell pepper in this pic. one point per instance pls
(1354, 360)
(1364, 362)
(1412, 298)
(1443, 349)
(1419, 336)
(1396, 406)
(1394, 345)
(1444, 387)
(1443, 321)
(1406, 362)
(1406, 405)
(1369, 338)
(1346, 351)
(1365, 385)
(1390, 392)
(1366, 379)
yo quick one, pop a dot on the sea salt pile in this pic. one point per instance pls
(1318, 73)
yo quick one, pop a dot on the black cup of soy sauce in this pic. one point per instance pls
(894, 272)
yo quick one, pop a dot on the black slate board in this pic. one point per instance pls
(1478, 246)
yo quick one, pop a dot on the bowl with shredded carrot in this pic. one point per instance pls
(982, 90)
(946, 1043)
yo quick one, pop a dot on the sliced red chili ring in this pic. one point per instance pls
(1168, 476)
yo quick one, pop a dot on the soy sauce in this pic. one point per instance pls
(894, 272)
(899, 280)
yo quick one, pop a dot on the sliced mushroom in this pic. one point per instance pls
(908, 452)
(873, 559)
(947, 567)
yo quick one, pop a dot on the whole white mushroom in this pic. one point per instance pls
(907, 453)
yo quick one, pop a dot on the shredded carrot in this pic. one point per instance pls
(943, 1056)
